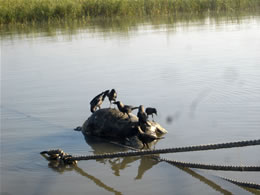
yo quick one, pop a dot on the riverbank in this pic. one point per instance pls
(29, 11)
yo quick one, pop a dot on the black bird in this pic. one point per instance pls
(97, 101)
(126, 109)
(146, 138)
(150, 111)
(142, 116)
(112, 95)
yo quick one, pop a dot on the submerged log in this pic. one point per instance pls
(113, 125)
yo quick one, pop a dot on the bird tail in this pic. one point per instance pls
(79, 128)
(160, 137)
(135, 108)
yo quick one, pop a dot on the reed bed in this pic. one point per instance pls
(27, 11)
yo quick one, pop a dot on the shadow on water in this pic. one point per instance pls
(118, 164)
(203, 179)
(212, 184)
(60, 169)
(99, 146)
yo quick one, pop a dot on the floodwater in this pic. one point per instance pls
(203, 76)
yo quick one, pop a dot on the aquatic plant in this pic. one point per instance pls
(24, 11)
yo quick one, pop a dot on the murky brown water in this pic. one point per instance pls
(202, 76)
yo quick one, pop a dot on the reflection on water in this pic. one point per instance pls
(146, 164)
(113, 26)
(118, 164)
(101, 146)
(53, 164)
(202, 75)
(205, 180)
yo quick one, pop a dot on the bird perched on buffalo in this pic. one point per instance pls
(146, 138)
(126, 109)
(150, 111)
(142, 116)
(112, 95)
(97, 101)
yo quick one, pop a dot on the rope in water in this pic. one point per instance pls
(155, 151)
(65, 158)
(169, 150)
(244, 184)
(212, 167)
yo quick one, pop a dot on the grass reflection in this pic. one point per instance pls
(114, 25)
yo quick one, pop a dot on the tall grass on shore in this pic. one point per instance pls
(24, 11)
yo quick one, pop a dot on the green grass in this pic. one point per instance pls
(28, 11)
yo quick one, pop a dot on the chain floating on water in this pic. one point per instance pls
(211, 166)
(59, 154)
(244, 184)
(67, 159)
